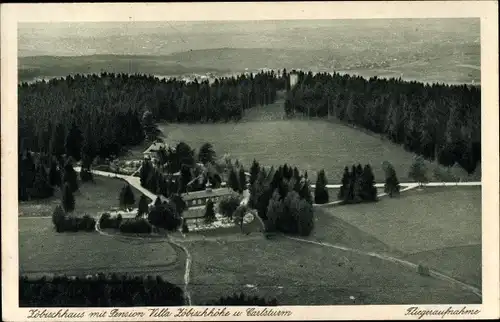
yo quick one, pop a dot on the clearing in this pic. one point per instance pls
(310, 144)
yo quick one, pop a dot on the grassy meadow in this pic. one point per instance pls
(44, 251)
(91, 198)
(310, 144)
(287, 270)
(438, 227)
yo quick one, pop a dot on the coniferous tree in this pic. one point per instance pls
(126, 197)
(418, 171)
(57, 143)
(209, 212)
(143, 206)
(254, 171)
(344, 189)
(70, 177)
(305, 192)
(321, 192)
(68, 200)
(86, 172)
(54, 174)
(41, 186)
(391, 186)
(242, 180)
(369, 190)
(233, 181)
(145, 172)
(73, 142)
(206, 154)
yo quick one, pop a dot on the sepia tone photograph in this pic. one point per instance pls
(249, 163)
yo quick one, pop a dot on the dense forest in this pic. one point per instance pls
(101, 114)
(439, 122)
(88, 116)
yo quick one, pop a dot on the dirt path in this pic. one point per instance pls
(384, 257)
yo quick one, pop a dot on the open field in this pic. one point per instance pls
(288, 270)
(91, 198)
(438, 227)
(43, 251)
(420, 220)
(310, 145)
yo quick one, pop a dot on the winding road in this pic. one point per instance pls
(135, 182)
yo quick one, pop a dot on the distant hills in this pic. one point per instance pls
(365, 62)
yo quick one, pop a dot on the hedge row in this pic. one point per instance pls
(98, 291)
(135, 226)
(65, 223)
(108, 221)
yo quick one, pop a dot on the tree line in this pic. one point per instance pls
(439, 122)
(99, 115)
(113, 290)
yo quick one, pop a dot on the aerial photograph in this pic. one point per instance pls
(249, 163)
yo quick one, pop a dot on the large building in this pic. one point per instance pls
(200, 198)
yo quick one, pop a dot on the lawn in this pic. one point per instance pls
(43, 251)
(296, 273)
(92, 198)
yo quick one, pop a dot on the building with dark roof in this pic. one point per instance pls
(200, 198)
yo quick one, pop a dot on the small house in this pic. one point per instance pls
(153, 149)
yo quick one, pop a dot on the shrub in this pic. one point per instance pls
(98, 291)
(423, 270)
(58, 216)
(86, 223)
(165, 216)
(185, 228)
(86, 175)
(228, 205)
(209, 215)
(135, 226)
(71, 223)
(108, 221)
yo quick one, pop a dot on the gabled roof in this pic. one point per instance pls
(156, 147)
(207, 193)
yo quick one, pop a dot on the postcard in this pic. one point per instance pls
(250, 161)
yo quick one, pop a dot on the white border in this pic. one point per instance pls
(11, 14)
